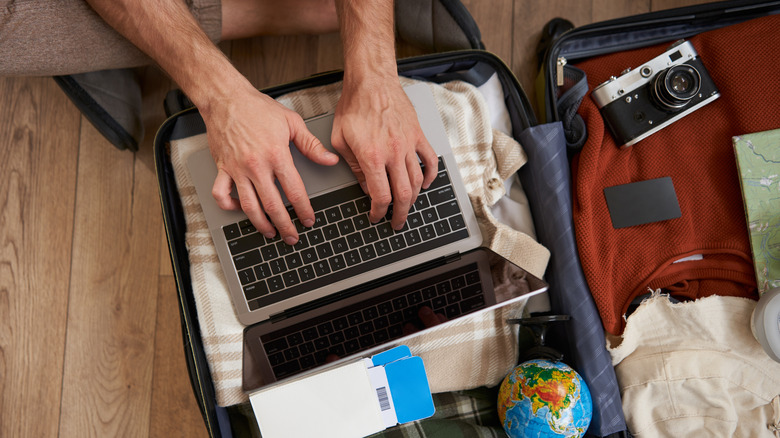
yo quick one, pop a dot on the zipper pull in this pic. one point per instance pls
(559, 70)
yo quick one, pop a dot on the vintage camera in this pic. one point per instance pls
(642, 101)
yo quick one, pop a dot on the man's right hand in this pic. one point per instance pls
(249, 136)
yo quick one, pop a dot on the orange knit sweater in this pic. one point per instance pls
(697, 153)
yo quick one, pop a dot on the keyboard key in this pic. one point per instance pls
(286, 369)
(352, 257)
(384, 308)
(470, 291)
(367, 253)
(458, 282)
(306, 348)
(370, 235)
(248, 229)
(448, 209)
(293, 261)
(325, 328)
(442, 228)
(452, 311)
(275, 346)
(298, 226)
(324, 251)
(382, 247)
(370, 313)
(346, 227)
(395, 318)
(338, 350)
(414, 220)
(276, 359)
(427, 232)
(309, 255)
(306, 273)
(295, 339)
(429, 215)
(337, 263)
(333, 215)
(340, 323)
(351, 332)
(255, 290)
(439, 302)
(443, 288)
(363, 204)
(384, 230)
(246, 276)
(355, 318)
(277, 266)
(422, 202)
(472, 277)
(429, 292)
(412, 237)
(472, 304)
(453, 297)
(340, 245)
(366, 340)
(441, 195)
(336, 338)
(307, 361)
(315, 237)
(400, 303)
(310, 333)
(303, 242)
(247, 259)
(349, 209)
(351, 346)
(291, 278)
(381, 322)
(397, 242)
(275, 284)
(331, 232)
(456, 222)
(321, 343)
(395, 331)
(269, 252)
(319, 219)
(291, 353)
(441, 180)
(284, 249)
(355, 240)
(415, 298)
(361, 222)
(246, 243)
(321, 268)
(231, 231)
(381, 336)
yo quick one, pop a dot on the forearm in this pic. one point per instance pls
(167, 32)
(367, 34)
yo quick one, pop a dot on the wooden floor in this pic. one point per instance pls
(90, 342)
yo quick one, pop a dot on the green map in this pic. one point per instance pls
(758, 160)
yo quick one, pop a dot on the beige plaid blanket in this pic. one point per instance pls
(476, 351)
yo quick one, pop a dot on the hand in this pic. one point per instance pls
(377, 132)
(249, 136)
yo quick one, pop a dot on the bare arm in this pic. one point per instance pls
(248, 132)
(376, 128)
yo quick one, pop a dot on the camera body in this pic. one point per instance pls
(642, 101)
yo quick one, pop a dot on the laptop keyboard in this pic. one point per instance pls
(367, 324)
(342, 242)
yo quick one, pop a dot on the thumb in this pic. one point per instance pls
(309, 145)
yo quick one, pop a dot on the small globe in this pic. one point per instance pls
(541, 399)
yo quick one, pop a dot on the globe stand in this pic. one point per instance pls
(532, 342)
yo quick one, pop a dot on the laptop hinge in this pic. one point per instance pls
(454, 257)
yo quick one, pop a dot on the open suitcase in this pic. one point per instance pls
(545, 179)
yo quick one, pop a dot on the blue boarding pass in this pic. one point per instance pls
(356, 399)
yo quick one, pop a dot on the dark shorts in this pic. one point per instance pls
(46, 37)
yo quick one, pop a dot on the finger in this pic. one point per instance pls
(275, 209)
(428, 318)
(409, 328)
(295, 191)
(379, 190)
(430, 160)
(331, 358)
(402, 195)
(309, 145)
(250, 204)
(223, 185)
(415, 175)
(352, 162)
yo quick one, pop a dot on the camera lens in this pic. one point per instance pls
(674, 87)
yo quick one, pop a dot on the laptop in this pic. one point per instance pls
(344, 261)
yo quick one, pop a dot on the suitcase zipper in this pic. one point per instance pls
(559, 71)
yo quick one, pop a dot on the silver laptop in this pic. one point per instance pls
(342, 250)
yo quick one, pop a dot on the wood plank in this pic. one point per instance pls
(107, 376)
(495, 21)
(609, 9)
(174, 411)
(38, 158)
(657, 5)
(530, 16)
(274, 60)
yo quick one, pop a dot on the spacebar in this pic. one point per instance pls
(361, 267)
